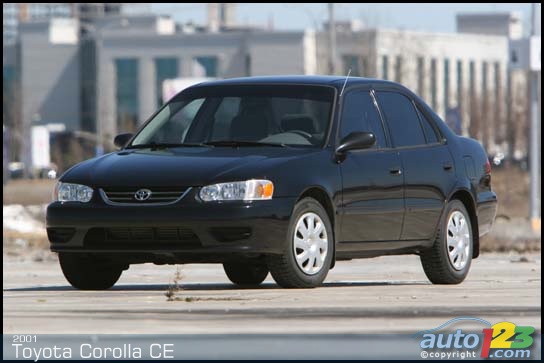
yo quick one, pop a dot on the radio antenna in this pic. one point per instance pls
(346, 81)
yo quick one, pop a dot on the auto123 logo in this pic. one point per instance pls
(503, 340)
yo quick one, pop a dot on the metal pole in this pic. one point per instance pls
(332, 40)
(534, 155)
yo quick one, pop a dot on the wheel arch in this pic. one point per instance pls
(465, 197)
(320, 194)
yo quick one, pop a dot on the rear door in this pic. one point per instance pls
(372, 201)
(426, 161)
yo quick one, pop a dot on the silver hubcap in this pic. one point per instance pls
(459, 240)
(310, 243)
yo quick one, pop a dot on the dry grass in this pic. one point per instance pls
(512, 230)
(27, 246)
(25, 240)
(512, 188)
(491, 243)
(199, 298)
(174, 287)
(511, 185)
(28, 192)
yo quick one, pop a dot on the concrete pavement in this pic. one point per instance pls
(382, 295)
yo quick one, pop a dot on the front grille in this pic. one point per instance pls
(60, 235)
(128, 195)
(152, 237)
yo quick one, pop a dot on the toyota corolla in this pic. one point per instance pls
(280, 175)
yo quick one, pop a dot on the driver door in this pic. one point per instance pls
(372, 206)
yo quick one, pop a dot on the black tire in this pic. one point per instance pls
(246, 273)
(284, 268)
(436, 262)
(88, 272)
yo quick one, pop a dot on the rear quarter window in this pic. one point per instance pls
(430, 133)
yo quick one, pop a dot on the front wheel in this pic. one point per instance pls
(448, 261)
(308, 250)
(89, 272)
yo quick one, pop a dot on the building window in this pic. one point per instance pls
(165, 68)
(484, 81)
(485, 105)
(497, 87)
(205, 66)
(9, 99)
(350, 61)
(364, 67)
(471, 74)
(421, 76)
(398, 69)
(385, 67)
(248, 65)
(446, 84)
(126, 95)
(433, 84)
(472, 94)
(460, 84)
(8, 78)
(88, 85)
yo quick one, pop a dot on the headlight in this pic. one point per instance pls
(245, 190)
(68, 192)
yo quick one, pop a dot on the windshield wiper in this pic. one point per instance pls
(236, 143)
(155, 145)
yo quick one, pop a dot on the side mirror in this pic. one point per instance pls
(122, 139)
(356, 141)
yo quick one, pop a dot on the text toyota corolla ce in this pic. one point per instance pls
(285, 175)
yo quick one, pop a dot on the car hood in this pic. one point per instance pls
(181, 166)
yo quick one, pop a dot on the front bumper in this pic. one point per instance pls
(192, 227)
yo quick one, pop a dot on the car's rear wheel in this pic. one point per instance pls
(449, 260)
(308, 250)
(86, 272)
(246, 273)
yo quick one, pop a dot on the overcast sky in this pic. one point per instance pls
(424, 17)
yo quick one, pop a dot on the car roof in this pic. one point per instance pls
(335, 81)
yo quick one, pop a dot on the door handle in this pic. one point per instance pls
(447, 166)
(395, 171)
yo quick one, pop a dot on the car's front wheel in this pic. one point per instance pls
(308, 249)
(89, 272)
(246, 273)
(448, 261)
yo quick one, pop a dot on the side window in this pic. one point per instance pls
(360, 114)
(430, 133)
(402, 119)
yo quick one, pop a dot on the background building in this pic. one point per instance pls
(503, 24)
(464, 74)
(99, 68)
(15, 13)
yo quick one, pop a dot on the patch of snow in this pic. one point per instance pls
(24, 219)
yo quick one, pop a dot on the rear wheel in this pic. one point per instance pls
(246, 272)
(308, 250)
(89, 272)
(448, 261)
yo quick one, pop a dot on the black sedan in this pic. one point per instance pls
(286, 175)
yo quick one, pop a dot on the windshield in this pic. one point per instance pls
(242, 115)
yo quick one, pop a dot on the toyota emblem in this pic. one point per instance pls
(142, 194)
